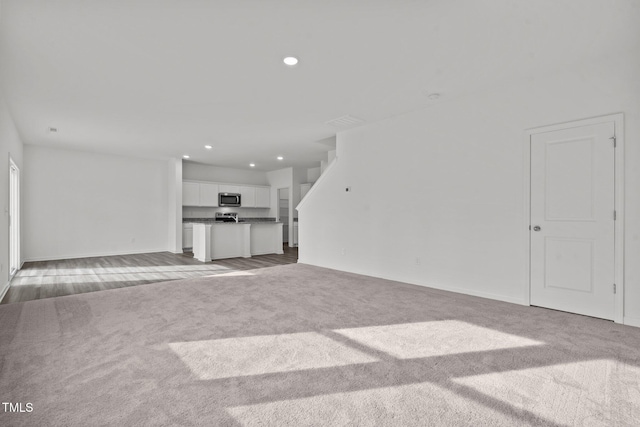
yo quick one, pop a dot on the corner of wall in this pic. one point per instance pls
(12, 147)
(174, 205)
(317, 184)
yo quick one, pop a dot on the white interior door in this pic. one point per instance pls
(572, 220)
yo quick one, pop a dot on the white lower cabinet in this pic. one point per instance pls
(187, 236)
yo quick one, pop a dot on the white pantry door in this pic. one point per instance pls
(572, 220)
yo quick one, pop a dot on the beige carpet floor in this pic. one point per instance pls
(297, 345)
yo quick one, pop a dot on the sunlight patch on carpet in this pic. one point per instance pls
(128, 275)
(421, 404)
(234, 357)
(579, 393)
(232, 274)
(427, 339)
(40, 272)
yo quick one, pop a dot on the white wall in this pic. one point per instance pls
(331, 155)
(313, 174)
(456, 172)
(10, 146)
(200, 172)
(281, 178)
(80, 204)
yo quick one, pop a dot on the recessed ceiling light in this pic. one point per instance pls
(253, 165)
(186, 156)
(290, 61)
(208, 147)
(280, 158)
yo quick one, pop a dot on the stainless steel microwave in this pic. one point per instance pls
(229, 199)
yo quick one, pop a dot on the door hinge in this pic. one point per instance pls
(614, 288)
(615, 215)
(613, 138)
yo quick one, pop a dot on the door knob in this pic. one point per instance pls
(536, 228)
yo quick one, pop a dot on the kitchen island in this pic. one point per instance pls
(219, 240)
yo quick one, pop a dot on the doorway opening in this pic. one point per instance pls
(14, 218)
(283, 213)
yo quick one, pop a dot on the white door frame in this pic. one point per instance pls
(289, 214)
(14, 218)
(618, 120)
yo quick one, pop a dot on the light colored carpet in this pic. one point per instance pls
(299, 345)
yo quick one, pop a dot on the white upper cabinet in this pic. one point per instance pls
(199, 194)
(190, 194)
(209, 194)
(263, 197)
(206, 194)
(248, 197)
(226, 188)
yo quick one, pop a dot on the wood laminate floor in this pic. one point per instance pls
(46, 279)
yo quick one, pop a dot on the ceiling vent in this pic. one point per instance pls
(345, 122)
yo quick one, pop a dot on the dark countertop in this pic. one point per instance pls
(242, 221)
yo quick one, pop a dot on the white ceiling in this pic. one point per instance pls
(162, 78)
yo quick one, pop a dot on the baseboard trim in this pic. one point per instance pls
(631, 321)
(93, 255)
(4, 290)
(464, 291)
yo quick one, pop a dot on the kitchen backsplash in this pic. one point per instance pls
(196, 212)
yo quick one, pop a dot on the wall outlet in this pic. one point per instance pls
(343, 251)
(418, 261)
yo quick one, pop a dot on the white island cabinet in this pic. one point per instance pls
(266, 238)
(231, 240)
